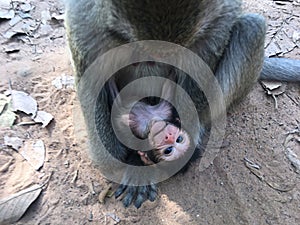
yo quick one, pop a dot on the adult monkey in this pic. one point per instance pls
(231, 43)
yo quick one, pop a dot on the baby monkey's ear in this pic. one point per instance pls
(125, 119)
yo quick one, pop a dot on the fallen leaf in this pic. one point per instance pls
(114, 217)
(5, 4)
(25, 15)
(29, 26)
(34, 153)
(22, 28)
(15, 20)
(64, 81)
(7, 14)
(7, 117)
(60, 17)
(13, 207)
(14, 142)
(43, 117)
(23, 102)
(45, 16)
(6, 166)
(6, 10)
(11, 48)
(26, 7)
(294, 159)
(273, 87)
(273, 50)
(282, 2)
(4, 100)
(296, 36)
(9, 34)
(103, 194)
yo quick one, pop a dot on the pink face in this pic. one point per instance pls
(169, 140)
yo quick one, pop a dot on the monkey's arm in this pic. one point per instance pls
(136, 195)
(130, 177)
(112, 90)
(240, 66)
(243, 61)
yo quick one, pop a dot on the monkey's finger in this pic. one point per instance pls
(120, 190)
(152, 192)
(141, 197)
(130, 195)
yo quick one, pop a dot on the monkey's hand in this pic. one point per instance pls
(136, 194)
(130, 188)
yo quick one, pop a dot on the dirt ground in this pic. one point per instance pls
(230, 191)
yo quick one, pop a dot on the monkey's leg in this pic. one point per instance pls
(138, 194)
(130, 177)
(241, 63)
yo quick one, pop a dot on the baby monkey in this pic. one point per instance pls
(155, 122)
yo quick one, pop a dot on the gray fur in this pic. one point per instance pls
(231, 43)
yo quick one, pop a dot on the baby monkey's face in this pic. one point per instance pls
(169, 142)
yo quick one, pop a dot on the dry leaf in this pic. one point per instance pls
(11, 48)
(274, 87)
(60, 17)
(26, 7)
(273, 50)
(23, 102)
(7, 13)
(34, 153)
(45, 16)
(7, 117)
(103, 194)
(271, 85)
(15, 21)
(64, 81)
(13, 207)
(294, 159)
(114, 217)
(296, 36)
(3, 102)
(6, 10)
(14, 142)
(25, 15)
(43, 117)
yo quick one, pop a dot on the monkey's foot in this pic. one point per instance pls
(136, 194)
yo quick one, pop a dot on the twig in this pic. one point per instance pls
(103, 194)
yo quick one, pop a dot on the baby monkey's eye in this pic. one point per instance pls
(179, 139)
(168, 150)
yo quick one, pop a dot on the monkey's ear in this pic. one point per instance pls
(125, 119)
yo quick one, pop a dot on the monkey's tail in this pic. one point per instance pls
(281, 69)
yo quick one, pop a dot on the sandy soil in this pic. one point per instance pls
(230, 191)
